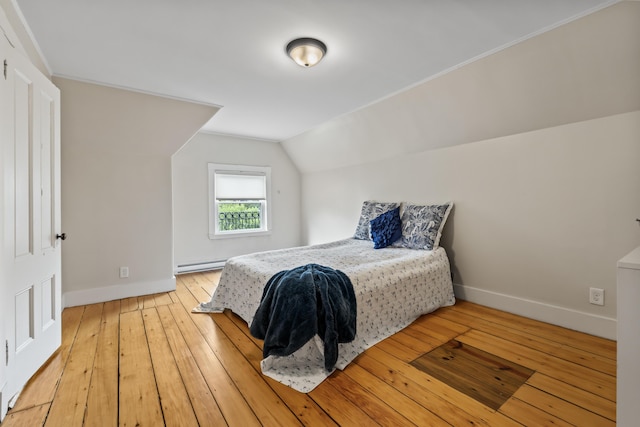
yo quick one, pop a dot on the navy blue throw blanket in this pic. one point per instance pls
(297, 304)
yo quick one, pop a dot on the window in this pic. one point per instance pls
(239, 200)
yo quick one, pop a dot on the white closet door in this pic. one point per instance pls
(31, 253)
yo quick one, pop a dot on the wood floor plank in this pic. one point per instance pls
(439, 328)
(163, 299)
(238, 333)
(520, 410)
(205, 406)
(174, 297)
(232, 403)
(36, 393)
(30, 417)
(589, 343)
(267, 405)
(379, 410)
(218, 362)
(251, 350)
(414, 346)
(392, 346)
(195, 284)
(339, 408)
(560, 350)
(425, 338)
(481, 375)
(68, 406)
(404, 405)
(305, 409)
(575, 395)
(138, 400)
(213, 277)
(242, 325)
(147, 301)
(102, 398)
(586, 359)
(417, 390)
(176, 405)
(593, 381)
(129, 304)
(454, 406)
(561, 408)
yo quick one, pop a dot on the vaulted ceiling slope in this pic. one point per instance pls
(583, 70)
(231, 54)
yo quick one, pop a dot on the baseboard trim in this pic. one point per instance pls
(592, 324)
(199, 266)
(114, 292)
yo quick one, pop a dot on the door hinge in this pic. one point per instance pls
(6, 354)
(5, 69)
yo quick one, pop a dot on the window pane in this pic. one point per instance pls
(238, 200)
(239, 215)
(235, 187)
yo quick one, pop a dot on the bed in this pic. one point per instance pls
(393, 286)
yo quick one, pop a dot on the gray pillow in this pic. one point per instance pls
(370, 210)
(422, 225)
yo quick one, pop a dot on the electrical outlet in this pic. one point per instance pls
(596, 296)
(124, 272)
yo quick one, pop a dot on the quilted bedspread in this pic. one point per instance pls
(393, 287)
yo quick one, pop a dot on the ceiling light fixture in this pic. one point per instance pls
(306, 52)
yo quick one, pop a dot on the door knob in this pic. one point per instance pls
(62, 236)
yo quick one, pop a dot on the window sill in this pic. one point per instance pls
(239, 234)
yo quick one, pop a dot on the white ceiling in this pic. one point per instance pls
(231, 53)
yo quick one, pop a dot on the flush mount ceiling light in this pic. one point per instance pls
(306, 52)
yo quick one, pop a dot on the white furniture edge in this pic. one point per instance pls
(628, 372)
(631, 260)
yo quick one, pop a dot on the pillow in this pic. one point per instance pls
(422, 225)
(370, 210)
(386, 228)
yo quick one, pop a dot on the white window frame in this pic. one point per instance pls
(214, 232)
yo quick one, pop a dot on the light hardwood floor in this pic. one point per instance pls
(148, 361)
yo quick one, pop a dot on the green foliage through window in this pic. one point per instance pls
(239, 215)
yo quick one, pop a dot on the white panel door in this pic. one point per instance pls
(31, 253)
(4, 122)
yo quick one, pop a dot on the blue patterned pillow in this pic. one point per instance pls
(422, 225)
(370, 210)
(386, 228)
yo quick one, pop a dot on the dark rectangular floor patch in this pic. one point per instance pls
(488, 379)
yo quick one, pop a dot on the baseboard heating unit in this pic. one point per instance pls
(199, 266)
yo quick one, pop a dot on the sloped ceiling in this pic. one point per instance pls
(231, 54)
(580, 71)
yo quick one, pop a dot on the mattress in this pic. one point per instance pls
(393, 287)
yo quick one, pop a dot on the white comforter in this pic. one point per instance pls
(393, 287)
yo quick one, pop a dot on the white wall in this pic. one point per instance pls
(540, 216)
(116, 188)
(545, 187)
(190, 204)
